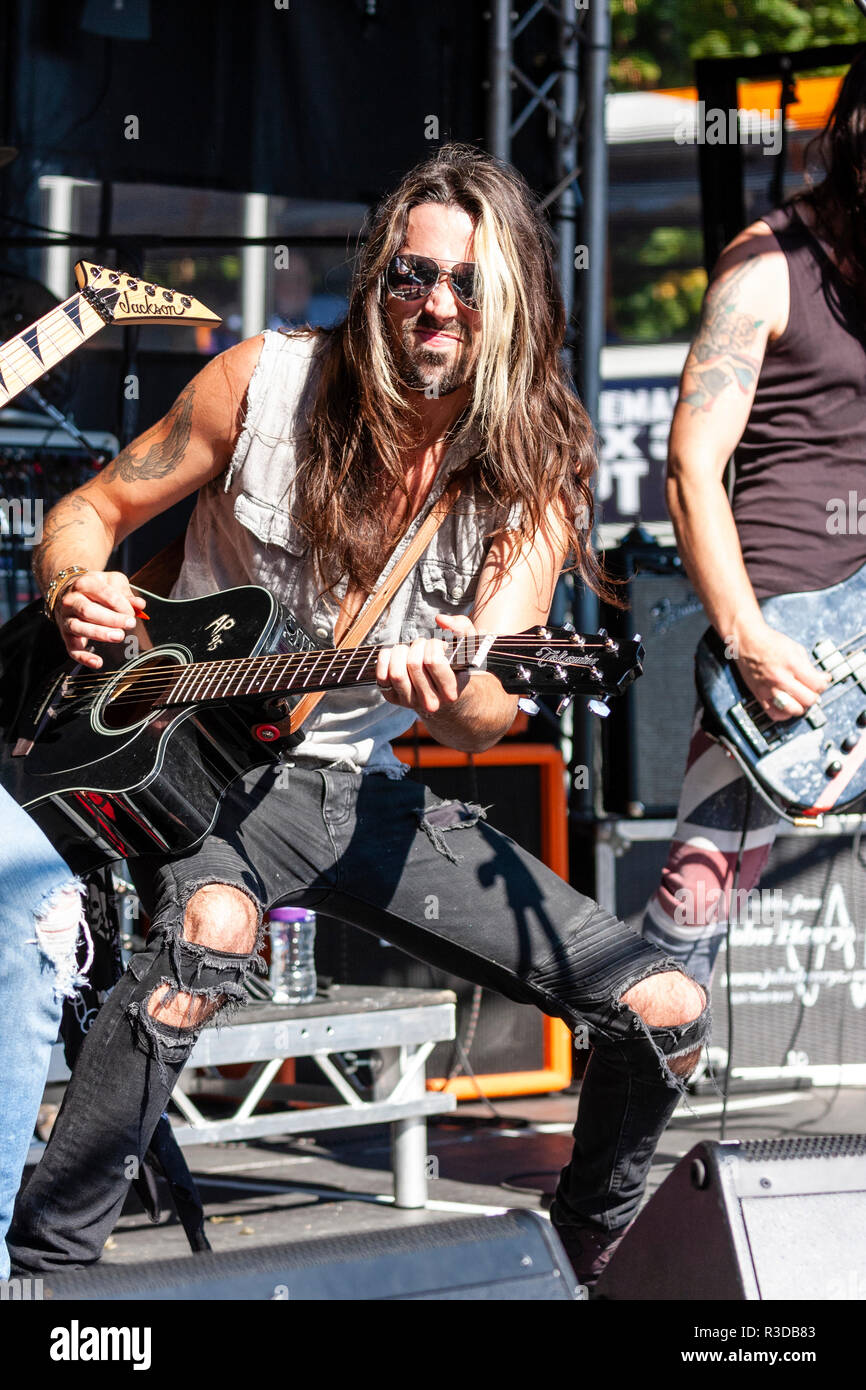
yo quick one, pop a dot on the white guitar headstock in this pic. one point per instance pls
(121, 298)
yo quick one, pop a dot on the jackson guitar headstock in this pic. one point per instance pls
(121, 298)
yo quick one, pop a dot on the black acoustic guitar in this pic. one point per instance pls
(816, 763)
(134, 759)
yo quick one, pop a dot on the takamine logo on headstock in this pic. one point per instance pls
(563, 657)
(121, 298)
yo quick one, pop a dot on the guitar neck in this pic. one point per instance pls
(300, 673)
(27, 357)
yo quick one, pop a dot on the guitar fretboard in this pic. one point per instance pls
(295, 672)
(25, 358)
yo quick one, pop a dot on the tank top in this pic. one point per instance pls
(803, 451)
(242, 531)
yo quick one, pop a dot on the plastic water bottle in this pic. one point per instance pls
(293, 964)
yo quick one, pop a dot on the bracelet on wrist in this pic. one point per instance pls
(57, 585)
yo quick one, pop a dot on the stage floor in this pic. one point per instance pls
(266, 1192)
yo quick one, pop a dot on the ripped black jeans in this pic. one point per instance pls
(429, 876)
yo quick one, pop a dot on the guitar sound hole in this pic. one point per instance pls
(140, 693)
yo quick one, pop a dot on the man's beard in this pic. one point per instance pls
(428, 369)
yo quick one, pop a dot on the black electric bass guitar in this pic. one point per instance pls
(816, 763)
(135, 758)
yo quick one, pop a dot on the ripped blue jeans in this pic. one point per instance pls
(40, 919)
(432, 877)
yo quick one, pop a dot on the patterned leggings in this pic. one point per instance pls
(686, 916)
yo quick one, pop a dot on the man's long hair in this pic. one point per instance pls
(839, 201)
(536, 439)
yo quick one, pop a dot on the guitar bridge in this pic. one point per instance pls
(747, 726)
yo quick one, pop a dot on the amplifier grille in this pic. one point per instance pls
(804, 1146)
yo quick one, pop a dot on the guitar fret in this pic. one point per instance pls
(350, 654)
(236, 674)
(228, 674)
(175, 696)
(265, 675)
(72, 310)
(204, 692)
(373, 652)
(319, 656)
(293, 666)
(253, 674)
(333, 659)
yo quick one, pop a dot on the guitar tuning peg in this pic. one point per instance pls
(598, 707)
(568, 628)
(564, 704)
(528, 704)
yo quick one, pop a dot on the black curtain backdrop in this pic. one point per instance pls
(324, 99)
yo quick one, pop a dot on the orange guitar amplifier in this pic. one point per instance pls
(513, 1049)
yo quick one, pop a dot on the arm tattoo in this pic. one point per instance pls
(164, 454)
(58, 520)
(719, 354)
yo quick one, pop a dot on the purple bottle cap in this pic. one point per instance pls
(289, 914)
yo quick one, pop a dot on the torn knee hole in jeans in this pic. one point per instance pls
(207, 953)
(59, 921)
(172, 1037)
(438, 821)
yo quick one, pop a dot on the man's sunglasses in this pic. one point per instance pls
(413, 277)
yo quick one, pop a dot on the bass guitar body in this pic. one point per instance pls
(815, 763)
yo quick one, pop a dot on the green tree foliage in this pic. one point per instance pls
(658, 283)
(655, 42)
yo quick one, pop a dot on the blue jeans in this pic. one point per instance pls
(39, 925)
(431, 877)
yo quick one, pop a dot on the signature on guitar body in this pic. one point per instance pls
(219, 625)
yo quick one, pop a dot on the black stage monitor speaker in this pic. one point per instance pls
(646, 737)
(764, 1219)
(503, 1258)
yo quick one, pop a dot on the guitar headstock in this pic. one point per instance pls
(121, 298)
(560, 661)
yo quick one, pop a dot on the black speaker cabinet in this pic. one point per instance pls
(646, 737)
(761, 1219)
(503, 1258)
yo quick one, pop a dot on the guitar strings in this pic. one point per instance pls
(68, 334)
(844, 649)
(164, 681)
(236, 665)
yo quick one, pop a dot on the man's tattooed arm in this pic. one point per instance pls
(159, 450)
(75, 531)
(723, 350)
(68, 534)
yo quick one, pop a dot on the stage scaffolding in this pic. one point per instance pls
(578, 209)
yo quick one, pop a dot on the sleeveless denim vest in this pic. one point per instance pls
(242, 532)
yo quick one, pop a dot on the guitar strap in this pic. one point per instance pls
(378, 601)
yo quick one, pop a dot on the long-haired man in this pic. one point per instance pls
(316, 458)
